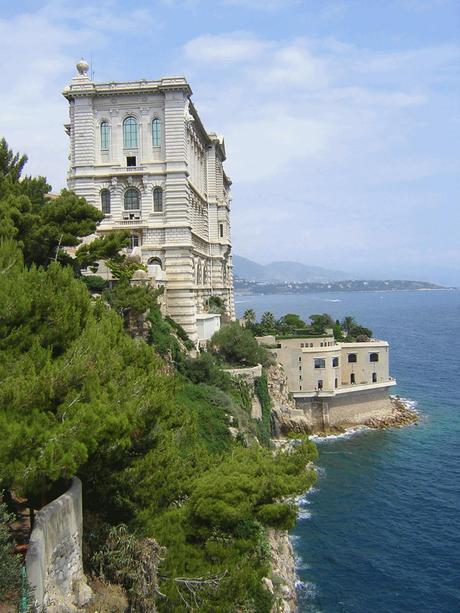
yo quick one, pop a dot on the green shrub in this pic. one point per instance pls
(94, 283)
(10, 564)
(238, 347)
(264, 425)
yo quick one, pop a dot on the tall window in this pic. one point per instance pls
(105, 201)
(156, 132)
(132, 200)
(335, 362)
(157, 200)
(130, 133)
(105, 135)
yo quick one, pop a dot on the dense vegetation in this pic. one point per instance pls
(291, 325)
(144, 426)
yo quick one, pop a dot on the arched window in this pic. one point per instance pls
(132, 200)
(105, 201)
(335, 362)
(352, 357)
(130, 133)
(156, 132)
(155, 262)
(105, 135)
(373, 357)
(157, 200)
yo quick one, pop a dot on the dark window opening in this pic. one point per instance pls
(221, 230)
(320, 384)
(335, 362)
(352, 378)
(336, 382)
(134, 241)
(373, 357)
(105, 201)
(352, 357)
(157, 200)
(320, 363)
(131, 160)
(374, 377)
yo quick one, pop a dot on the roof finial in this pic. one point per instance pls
(83, 67)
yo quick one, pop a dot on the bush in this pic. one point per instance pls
(204, 369)
(263, 426)
(238, 347)
(94, 283)
(10, 564)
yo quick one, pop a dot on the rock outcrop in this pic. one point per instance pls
(282, 582)
(285, 416)
(402, 415)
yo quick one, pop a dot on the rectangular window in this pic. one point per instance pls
(131, 160)
(335, 362)
(221, 230)
(352, 358)
(336, 382)
(374, 377)
(320, 384)
(352, 378)
(320, 363)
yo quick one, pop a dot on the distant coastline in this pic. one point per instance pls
(246, 287)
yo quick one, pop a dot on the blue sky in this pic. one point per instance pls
(341, 118)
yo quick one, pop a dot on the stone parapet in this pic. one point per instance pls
(54, 557)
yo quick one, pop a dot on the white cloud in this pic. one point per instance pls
(231, 48)
(264, 5)
(325, 132)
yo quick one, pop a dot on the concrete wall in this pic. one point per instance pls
(248, 374)
(54, 557)
(346, 409)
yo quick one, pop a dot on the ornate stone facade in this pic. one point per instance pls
(139, 153)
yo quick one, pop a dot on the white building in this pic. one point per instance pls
(335, 383)
(139, 153)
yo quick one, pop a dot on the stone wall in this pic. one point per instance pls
(54, 557)
(346, 410)
(247, 374)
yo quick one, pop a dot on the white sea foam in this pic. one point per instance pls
(407, 402)
(349, 432)
(306, 589)
(331, 300)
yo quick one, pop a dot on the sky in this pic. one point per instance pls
(341, 118)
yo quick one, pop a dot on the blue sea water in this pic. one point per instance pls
(380, 532)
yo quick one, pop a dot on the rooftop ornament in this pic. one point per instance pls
(82, 67)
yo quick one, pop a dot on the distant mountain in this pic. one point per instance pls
(290, 272)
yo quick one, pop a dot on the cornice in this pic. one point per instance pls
(81, 87)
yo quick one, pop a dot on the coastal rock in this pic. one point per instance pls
(282, 583)
(285, 416)
(402, 414)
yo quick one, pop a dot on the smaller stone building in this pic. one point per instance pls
(335, 384)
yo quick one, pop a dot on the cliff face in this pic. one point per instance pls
(285, 416)
(283, 578)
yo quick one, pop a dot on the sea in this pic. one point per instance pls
(380, 530)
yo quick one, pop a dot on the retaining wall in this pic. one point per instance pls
(345, 410)
(54, 557)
